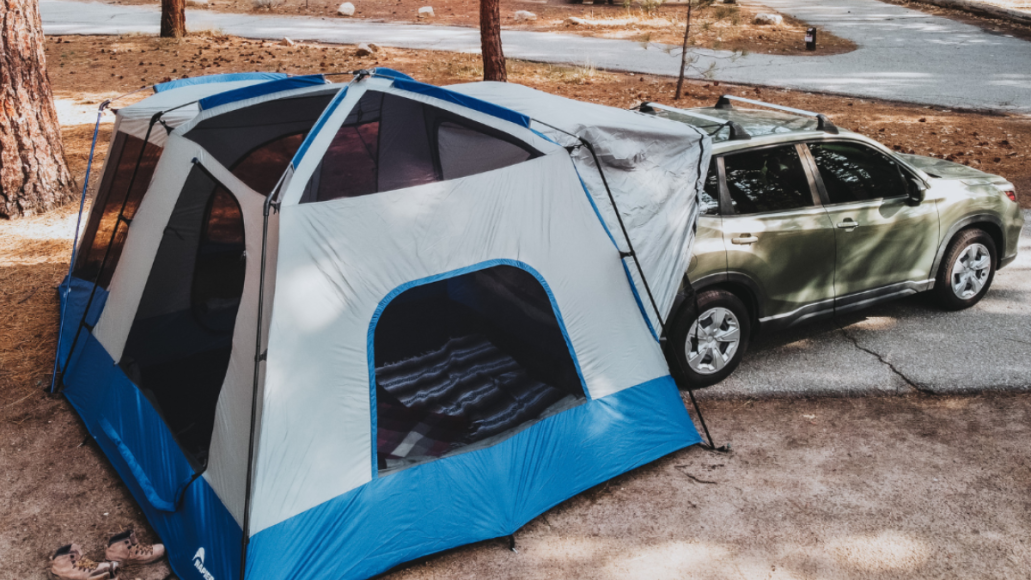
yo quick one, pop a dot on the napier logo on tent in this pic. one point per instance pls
(198, 563)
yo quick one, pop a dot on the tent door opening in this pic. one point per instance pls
(178, 348)
(465, 362)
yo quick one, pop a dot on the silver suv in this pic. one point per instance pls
(801, 220)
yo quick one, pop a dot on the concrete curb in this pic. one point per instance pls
(982, 9)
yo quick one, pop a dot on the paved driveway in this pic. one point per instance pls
(904, 54)
(901, 346)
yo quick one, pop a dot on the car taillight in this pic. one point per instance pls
(1011, 194)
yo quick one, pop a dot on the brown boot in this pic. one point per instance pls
(67, 563)
(126, 549)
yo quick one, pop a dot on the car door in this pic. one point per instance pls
(776, 233)
(885, 241)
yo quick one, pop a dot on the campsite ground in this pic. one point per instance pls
(916, 486)
(717, 26)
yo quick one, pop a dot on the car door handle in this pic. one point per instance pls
(744, 239)
(849, 224)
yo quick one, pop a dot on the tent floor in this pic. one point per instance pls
(185, 392)
(447, 378)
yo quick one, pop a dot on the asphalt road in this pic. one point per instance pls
(901, 346)
(903, 54)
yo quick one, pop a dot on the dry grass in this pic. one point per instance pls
(34, 254)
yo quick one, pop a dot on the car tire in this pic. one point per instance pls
(723, 334)
(958, 285)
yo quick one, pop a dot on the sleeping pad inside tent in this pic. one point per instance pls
(323, 329)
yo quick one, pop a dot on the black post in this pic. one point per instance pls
(810, 38)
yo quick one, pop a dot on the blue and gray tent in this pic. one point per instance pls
(324, 329)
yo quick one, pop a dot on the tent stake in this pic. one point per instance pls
(711, 446)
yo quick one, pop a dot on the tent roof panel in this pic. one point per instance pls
(652, 168)
(214, 79)
(465, 100)
(258, 90)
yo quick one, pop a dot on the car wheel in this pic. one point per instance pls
(967, 270)
(709, 346)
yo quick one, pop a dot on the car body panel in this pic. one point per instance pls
(891, 242)
(710, 254)
(792, 259)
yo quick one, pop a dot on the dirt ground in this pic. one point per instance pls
(716, 26)
(918, 487)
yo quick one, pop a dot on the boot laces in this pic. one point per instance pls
(141, 550)
(84, 564)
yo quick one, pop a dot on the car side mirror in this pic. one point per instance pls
(917, 191)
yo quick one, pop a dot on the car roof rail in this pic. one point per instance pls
(822, 122)
(737, 132)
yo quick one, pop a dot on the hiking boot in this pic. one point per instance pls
(67, 563)
(126, 549)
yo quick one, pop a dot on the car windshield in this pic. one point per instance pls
(756, 123)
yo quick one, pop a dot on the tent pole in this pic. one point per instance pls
(114, 232)
(258, 357)
(619, 218)
(75, 246)
(644, 280)
(711, 446)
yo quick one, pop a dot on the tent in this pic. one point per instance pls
(321, 329)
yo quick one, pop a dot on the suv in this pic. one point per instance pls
(801, 221)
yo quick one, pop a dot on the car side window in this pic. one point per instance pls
(854, 172)
(767, 180)
(709, 198)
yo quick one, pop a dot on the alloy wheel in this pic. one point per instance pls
(970, 271)
(713, 340)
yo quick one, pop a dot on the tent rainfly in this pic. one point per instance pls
(324, 329)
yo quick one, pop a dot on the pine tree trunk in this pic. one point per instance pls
(34, 177)
(490, 41)
(173, 18)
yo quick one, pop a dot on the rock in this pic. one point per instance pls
(288, 42)
(577, 21)
(346, 9)
(524, 16)
(769, 19)
(364, 50)
(197, 3)
(426, 12)
(374, 47)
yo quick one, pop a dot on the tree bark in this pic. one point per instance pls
(34, 177)
(173, 18)
(490, 41)
(683, 52)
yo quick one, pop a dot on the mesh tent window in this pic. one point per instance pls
(178, 348)
(131, 162)
(389, 142)
(262, 167)
(258, 142)
(467, 361)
